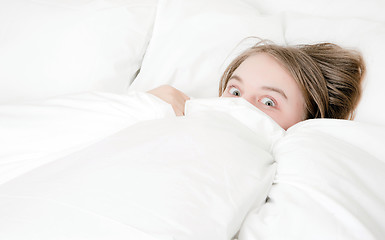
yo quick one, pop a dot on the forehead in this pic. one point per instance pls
(262, 68)
(262, 64)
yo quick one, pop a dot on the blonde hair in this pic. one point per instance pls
(329, 76)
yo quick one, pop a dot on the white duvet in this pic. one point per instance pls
(105, 166)
(329, 184)
(34, 133)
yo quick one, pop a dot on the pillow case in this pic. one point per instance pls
(362, 9)
(192, 177)
(53, 47)
(328, 185)
(194, 41)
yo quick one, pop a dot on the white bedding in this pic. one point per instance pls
(101, 159)
(328, 185)
(38, 132)
(193, 177)
(55, 47)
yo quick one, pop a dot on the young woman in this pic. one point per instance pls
(289, 83)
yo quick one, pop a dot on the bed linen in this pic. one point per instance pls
(56, 47)
(36, 132)
(192, 177)
(328, 184)
(224, 167)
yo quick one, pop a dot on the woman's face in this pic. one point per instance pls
(266, 84)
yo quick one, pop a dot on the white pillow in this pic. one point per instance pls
(329, 184)
(52, 47)
(192, 177)
(193, 42)
(364, 35)
(363, 9)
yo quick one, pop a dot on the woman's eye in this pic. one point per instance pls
(268, 102)
(234, 91)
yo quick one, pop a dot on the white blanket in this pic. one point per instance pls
(34, 133)
(328, 185)
(192, 177)
(118, 171)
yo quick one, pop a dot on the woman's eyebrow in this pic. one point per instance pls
(275, 90)
(236, 78)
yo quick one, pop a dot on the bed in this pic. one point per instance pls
(86, 153)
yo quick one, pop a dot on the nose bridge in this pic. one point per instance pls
(251, 98)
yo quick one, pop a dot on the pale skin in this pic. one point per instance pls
(263, 82)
